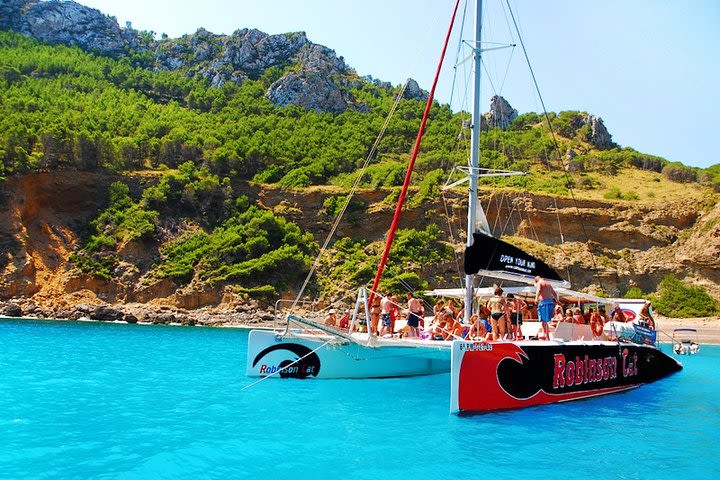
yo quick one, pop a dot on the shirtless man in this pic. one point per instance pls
(618, 315)
(385, 306)
(415, 309)
(646, 316)
(545, 298)
(331, 319)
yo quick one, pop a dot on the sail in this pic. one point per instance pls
(496, 258)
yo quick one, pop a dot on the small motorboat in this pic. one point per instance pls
(682, 345)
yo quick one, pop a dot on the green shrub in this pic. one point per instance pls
(96, 265)
(254, 248)
(334, 204)
(615, 194)
(675, 298)
(631, 195)
(634, 292)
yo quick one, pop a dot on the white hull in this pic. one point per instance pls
(325, 356)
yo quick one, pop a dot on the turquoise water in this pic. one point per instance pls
(81, 400)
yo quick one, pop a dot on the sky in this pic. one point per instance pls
(649, 68)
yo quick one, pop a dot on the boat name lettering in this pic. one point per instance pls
(476, 347)
(629, 364)
(292, 369)
(584, 370)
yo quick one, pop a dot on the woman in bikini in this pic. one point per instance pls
(596, 323)
(496, 305)
(375, 315)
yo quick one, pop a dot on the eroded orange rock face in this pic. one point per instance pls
(44, 213)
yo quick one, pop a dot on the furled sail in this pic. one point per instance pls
(495, 258)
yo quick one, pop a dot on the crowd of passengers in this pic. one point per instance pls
(499, 318)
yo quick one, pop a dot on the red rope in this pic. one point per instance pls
(411, 165)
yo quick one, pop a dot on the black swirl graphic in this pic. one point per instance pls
(308, 366)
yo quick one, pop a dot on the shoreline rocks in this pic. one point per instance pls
(142, 313)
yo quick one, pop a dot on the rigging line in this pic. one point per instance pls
(451, 229)
(457, 53)
(356, 184)
(413, 157)
(511, 207)
(507, 69)
(498, 206)
(557, 215)
(487, 74)
(507, 23)
(554, 139)
(452, 240)
(533, 230)
(562, 236)
(516, 210)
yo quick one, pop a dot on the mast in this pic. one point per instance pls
(474, 154)
(411, 164)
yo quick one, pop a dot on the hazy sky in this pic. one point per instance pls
(649, 68)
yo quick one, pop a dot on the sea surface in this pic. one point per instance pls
(99, 400)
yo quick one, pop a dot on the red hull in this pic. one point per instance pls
(502, 376)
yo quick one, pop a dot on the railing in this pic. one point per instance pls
(276, 315)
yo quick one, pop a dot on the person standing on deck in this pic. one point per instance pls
(375, 315)
(415, 311)
(646, 317)
(497, 308)
(545, 298)
(394, 311)
(385, 305)
(517, 307)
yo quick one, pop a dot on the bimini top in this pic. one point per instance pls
(495, 258)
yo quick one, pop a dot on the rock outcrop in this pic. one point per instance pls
(11, 13)
(319, 84)
(413, 91)
(501, 114)
(68, 23)
(599, 135)
(318, 79)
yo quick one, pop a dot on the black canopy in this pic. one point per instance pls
(489, 254)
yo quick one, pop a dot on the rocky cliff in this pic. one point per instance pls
(68, 23)
(318, 80)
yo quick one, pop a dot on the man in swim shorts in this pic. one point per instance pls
(415, 309)
(385, 306)
(545, 298)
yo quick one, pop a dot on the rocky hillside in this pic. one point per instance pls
(630, 245)
(320, 80)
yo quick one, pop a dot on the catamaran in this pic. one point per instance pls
(574, 362)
